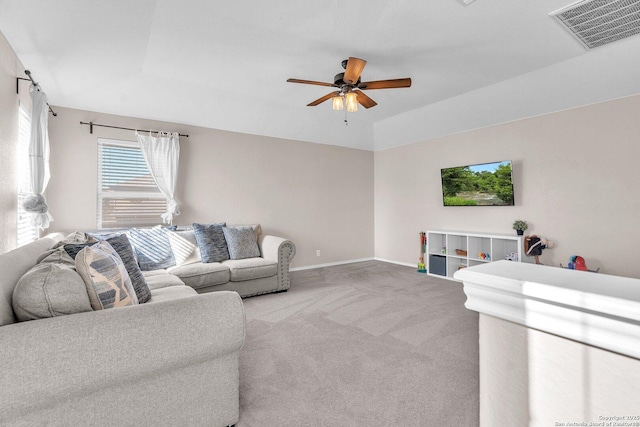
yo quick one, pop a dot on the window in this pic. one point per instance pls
(127, 194)
(26, 231)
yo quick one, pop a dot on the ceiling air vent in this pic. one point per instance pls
(598, 22)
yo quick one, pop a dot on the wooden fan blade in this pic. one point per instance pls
(311, 82)
(324, 98)
(364, 100)
(354, 69)
(386, 84)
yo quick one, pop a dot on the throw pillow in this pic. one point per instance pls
(72, 249)
(56, 256)
(152, 248)
(211, 242)
(123, 247)
(242, 242)
(75, 237)
(49, 290)
(105, 277)
(181, 247)
(190, 236)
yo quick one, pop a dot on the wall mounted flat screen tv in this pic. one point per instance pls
(486, 184)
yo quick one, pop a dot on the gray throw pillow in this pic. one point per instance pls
(56, 256)
(49, 290)
(152, 248)
(211, 242)
(241, 242)
(123, 247)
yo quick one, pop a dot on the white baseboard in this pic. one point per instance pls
(351, 261)
(406, 264)
(330, 264)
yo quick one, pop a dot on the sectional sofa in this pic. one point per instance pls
(170, 361)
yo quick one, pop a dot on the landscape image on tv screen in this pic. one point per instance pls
(487, 184)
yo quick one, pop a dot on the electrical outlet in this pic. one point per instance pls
(318, 252)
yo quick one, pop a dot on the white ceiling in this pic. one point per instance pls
(224, 65)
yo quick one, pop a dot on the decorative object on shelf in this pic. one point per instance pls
(484, 255)
(461, 252)
(444, 250)
(578, 263)
(513, 256)
(533, 246)
(520, 225)
(422, 268)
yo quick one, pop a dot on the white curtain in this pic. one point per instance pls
(35, 203)
(162, 154)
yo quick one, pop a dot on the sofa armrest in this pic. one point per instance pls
(282, 251)
(52, 360)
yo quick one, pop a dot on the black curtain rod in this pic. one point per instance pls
(28, 73)
(91, 125)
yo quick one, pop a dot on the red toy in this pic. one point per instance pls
(578, 263)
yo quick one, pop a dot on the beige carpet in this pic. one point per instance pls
(365, 344)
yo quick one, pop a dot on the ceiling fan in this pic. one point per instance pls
(350, 88)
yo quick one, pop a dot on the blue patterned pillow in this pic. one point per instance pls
(241, 242)
(124, 249)
(152, 248)
(211, 242)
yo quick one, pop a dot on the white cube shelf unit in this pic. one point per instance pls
(443, 260)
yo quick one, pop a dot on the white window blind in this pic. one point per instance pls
(127, 194)
(26, 231)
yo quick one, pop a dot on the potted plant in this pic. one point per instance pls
(520, 225)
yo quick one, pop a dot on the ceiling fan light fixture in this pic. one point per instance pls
(337, 102)
(352, 102)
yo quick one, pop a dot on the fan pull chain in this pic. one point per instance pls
(346, 123)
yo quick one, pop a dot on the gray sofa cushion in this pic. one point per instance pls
(171, 293)
(250, 268)
(242, 242)
(158, 279)
(49, 290)
(210, 238)
(200, 275)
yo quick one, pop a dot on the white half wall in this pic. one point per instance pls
(532, 378)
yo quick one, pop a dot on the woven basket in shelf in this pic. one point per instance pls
(461, 252)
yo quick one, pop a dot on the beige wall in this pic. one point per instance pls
(575, 173)
(10, 68)
(319, 196)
